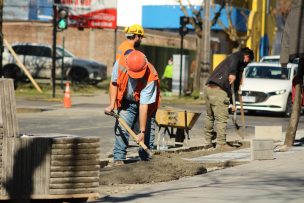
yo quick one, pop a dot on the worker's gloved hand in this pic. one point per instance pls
(140, 137)
(231, 79)
(109, 110)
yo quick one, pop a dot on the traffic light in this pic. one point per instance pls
(183, 21)
(62, 22)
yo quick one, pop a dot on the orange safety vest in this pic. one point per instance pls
(124, 46)
(122, 83)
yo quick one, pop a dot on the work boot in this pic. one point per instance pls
(118, 163)
(235, 143)
(214, 135)
(209, 146)
(224, 147)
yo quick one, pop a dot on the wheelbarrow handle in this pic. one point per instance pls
(130, 131)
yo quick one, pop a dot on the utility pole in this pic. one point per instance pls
(205, 49)
(54, 49)
(1, 38)
(183, 30)
(181, 66)
(62, 62)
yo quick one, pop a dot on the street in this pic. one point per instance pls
(86, 118)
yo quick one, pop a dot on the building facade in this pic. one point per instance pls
(30, 21)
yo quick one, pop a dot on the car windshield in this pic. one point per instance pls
(276, 60)
(66, 52)
(270, 60)
(267, 72)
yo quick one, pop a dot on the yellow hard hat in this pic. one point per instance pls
(134, 30)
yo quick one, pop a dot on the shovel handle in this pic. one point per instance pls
(130, 131)
(242, 110)
(234, 104)
(233, 101)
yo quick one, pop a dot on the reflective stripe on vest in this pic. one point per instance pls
(124, 46)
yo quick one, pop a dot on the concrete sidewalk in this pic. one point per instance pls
(269, 181)
(278, 180)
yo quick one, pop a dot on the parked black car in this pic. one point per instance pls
(37, 58)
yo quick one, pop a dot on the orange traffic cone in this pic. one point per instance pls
(67, 98)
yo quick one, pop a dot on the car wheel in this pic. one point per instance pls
(78, 75)
(288, 108)
(95, 82)
(251, 112)
(12, 72)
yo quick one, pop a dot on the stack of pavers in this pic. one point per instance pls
(44, 167)
(8, 125)
(74, 165)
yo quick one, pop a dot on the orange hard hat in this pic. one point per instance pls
(136, 63)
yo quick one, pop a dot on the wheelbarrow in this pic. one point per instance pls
(176, 123)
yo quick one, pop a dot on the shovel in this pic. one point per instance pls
(130, 131)
(236, 143)
(242, 111)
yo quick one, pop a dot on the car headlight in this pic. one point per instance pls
(278, 92)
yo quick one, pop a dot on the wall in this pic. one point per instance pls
(97, 44)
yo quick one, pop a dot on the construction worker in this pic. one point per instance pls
(135, 94)
(218, 93)
(134, 35)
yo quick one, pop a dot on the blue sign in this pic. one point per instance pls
(167, 17)
(28, 10)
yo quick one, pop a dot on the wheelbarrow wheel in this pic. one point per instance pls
(179, 137)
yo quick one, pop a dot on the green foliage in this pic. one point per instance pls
(165, 99)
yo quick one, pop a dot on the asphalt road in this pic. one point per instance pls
(86, 118)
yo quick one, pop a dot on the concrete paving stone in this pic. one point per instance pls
(237, 155)
(262, 149)
(261, 144)
(269, 132)
(262, 155)
(240, 155)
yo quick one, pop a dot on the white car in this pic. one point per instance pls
(268, 87)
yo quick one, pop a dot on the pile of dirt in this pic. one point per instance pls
(162, 168)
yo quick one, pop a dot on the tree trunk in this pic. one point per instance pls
(203, 52)
(197, 75)
(202, 66)
(296, 107)
(1, 37)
